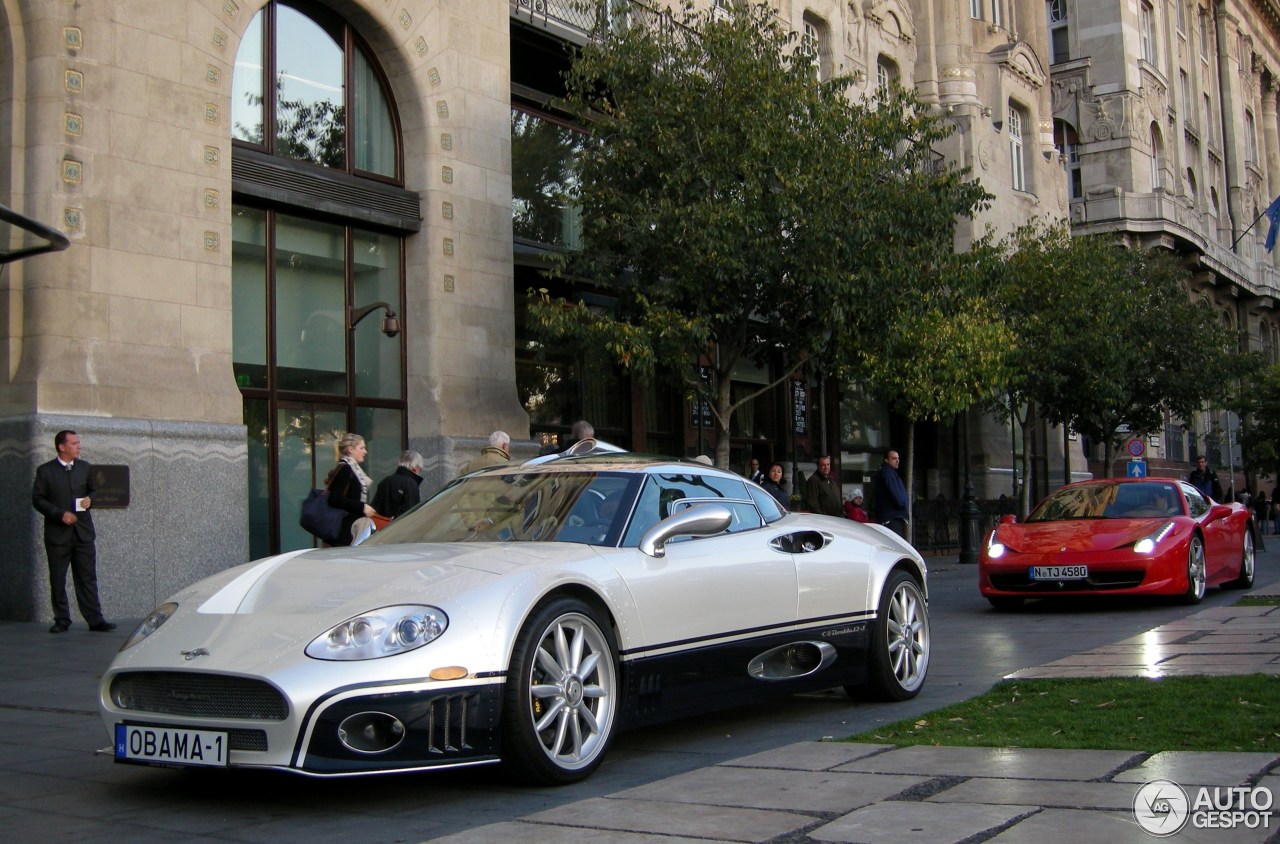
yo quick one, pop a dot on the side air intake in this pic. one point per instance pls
(796, 659)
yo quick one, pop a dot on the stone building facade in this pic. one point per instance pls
(251, 188)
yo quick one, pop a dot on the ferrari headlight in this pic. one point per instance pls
(150, 624)
(1147, 544)
(382, 632)
(995, 550)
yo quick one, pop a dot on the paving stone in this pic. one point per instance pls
(1062, 794)
(917, 823)
(1072, 826)
(1004, 762)
(798, 791)
(505, 833)
(1187, 767)
(810, 755)
(720, 823)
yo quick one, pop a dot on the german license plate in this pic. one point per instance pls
(169, 745)
(1059, 572)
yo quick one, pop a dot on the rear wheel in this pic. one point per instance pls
(1247, 563)
(1195, 572)
(562, 695)
(900, 644)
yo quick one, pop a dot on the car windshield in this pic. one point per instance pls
(587, 507)
(1109, 501)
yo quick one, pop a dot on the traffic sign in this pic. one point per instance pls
(1135, 447)
(1137, 469)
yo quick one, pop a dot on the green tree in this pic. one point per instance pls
(740, 209)
(1258, 404)
(1108, 337)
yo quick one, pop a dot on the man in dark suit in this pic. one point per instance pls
(63, 492)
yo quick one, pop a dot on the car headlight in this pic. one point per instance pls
(379, 633)
(150, 624)
(1147, 544)
(995, 550)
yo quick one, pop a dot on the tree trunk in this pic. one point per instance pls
(908, 472)
(1108, 455)
(1029, 428)
(722, 419)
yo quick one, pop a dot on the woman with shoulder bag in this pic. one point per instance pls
(348, 487)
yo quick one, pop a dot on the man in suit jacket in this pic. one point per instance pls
(63, 492)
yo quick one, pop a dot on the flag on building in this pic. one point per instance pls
(1273, 214)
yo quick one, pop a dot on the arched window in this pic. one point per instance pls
(1017, 159)
(298, 76)
(1068, 144)
(814, 41)
(1157, 157)
(1059, 34)
(886, 75)
(1192, 188)
(317, 229)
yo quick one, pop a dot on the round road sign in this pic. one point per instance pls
(1135, 448)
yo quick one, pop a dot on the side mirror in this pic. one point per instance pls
(1219, 511)
(1008, 519)
(702, 520)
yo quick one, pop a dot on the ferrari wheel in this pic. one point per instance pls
(1247, 563)
(899, 656)
(562, 695)
(1195, 572)
(1004, 603)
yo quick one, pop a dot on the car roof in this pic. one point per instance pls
(609, 461)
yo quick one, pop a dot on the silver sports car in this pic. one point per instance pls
(524, 615)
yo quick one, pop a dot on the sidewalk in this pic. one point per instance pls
(865, 793)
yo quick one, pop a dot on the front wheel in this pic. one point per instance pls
(561, 696)
(900, 645)
(1247, 562)
(1195, 572)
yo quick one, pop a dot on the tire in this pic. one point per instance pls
(1004, 603)
(900, 646)
(1248, 564)
(1195, 572)
(561, 698)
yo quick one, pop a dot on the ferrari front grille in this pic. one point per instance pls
(1111, 579)
(197, 695)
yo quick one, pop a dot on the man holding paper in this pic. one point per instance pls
(63, 494)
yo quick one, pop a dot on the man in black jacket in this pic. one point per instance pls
(399, 491)
(891, 496)
(63, 493)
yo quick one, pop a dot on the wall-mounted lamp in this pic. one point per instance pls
(390, 325)
(986, 111)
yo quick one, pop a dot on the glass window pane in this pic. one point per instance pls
(258, 433)
(375, 142)
(247, 111)
(383, 432)
(543, 161)
(310, 307)
(307, 440)
(310, 112)
(249, 296)
(376, 269)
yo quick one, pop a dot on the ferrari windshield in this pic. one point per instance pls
(589, 507)
(1110, 500)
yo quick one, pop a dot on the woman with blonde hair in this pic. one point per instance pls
(348, 487)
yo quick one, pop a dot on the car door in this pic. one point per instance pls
(706, 591)
(1220, 543)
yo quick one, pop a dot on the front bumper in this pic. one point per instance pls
(436, 725)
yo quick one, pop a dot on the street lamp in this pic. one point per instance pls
(390, 325)
(969, 529)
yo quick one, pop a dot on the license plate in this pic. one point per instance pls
(170, 745)
(1059, 572)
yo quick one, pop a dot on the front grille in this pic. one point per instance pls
(198, 695)
(247, 740)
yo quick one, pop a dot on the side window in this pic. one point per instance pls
(1197, 505)
(767, 504)
(665, 495)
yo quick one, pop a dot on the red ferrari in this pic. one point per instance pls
(1150, 536)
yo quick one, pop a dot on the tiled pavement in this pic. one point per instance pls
(869, 793)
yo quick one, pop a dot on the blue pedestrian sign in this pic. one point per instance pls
(1137, 469)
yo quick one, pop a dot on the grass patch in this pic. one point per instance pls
(1259, 601)
(1105, 713)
